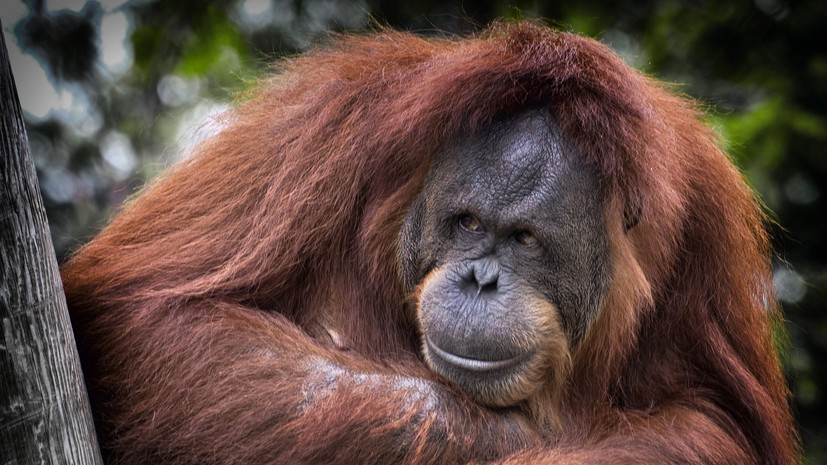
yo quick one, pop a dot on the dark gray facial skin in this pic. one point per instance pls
(505, 221)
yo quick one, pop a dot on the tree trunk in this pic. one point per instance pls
(44, 409)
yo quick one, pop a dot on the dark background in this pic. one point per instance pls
(113, 91)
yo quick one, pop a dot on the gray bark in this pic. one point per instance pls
(44, 409)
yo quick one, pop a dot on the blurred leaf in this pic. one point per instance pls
(759, 131)
(215, 45)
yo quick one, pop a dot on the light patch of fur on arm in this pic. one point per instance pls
(325, 377)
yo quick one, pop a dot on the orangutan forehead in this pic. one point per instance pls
(520, 164)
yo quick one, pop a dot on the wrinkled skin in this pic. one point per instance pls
(508, 249)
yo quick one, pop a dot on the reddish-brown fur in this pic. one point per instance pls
(204, 307)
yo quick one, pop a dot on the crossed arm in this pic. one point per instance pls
(226, 384)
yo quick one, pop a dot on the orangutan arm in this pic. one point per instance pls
(234, 385)
(677, 435)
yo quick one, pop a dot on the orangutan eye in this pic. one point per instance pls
(470, 223)
(525, 238)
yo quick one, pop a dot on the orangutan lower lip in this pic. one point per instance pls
(472, 364)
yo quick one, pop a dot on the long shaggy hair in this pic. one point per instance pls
(294, 209)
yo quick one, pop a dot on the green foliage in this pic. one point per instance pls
(208, 45)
